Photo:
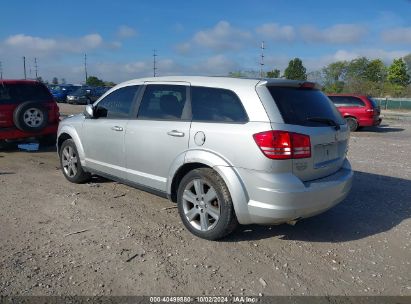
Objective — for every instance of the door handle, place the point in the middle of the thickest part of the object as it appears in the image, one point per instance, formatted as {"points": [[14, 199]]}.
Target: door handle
{"points": [[117, 128], [176, 133]]}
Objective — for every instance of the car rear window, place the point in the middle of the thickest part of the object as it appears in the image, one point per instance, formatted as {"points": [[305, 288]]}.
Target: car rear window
{"points": [[373, 102], [298, 106], [12, 93]]}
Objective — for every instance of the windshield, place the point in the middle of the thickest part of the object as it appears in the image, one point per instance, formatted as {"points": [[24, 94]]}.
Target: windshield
{"points": [[305, 106], [80, 91]]}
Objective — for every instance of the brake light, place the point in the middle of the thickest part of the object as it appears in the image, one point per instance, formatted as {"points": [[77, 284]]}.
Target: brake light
{"points": [[307, 85], [283, 144]]}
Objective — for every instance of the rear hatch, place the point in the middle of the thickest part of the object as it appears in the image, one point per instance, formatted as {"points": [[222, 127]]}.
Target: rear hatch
{"points": [[14, 93], [376, 107], [306, 110]]}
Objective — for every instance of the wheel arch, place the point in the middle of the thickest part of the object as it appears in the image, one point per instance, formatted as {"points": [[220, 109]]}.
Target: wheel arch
{"points": [[68, 132], [204, 159]]}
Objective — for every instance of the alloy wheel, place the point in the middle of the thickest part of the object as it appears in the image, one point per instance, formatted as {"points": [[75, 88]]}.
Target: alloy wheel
{"points": [[201, 205], [69, 161]]}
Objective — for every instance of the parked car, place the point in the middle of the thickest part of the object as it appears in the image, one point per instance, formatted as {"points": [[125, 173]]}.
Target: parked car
{"points": [[60, 92], [226, 150], [27, 110], [84, 95], [358, 110]]}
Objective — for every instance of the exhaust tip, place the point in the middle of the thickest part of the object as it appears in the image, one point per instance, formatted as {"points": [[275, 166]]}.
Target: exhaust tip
{"points": [[294, 221]]}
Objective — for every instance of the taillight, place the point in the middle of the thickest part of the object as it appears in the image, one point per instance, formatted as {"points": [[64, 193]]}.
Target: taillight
{"points": [[283, 144]]}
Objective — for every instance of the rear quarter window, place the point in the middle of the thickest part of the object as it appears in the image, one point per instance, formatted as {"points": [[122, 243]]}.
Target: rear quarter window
{"points": [[298, 105], [347, 101], [216, 105]]}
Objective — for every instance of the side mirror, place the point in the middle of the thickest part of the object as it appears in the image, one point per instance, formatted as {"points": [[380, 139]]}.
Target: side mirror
{"points": [[89, 111]]}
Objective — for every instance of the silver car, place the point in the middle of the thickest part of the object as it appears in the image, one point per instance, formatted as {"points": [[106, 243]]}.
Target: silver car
{"points": [[226, 150]]}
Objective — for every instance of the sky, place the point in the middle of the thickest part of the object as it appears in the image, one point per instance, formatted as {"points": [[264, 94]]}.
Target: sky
{"points": [[194, 37]]}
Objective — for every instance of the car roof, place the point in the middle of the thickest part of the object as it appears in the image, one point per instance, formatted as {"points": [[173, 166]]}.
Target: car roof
{"points": [[18, 81], [218, 81], [346, 95]]}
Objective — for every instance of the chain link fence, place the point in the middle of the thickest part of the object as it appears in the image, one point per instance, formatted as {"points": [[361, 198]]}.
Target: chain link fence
{"points": [[390, 103]]}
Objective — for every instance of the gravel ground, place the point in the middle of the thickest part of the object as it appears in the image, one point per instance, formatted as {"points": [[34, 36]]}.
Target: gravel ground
{"points": [[105, 238]]}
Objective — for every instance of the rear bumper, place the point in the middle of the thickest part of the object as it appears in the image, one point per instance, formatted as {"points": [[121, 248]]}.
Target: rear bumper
{"points": [[369, 122], [14, 133], [279, 198]]}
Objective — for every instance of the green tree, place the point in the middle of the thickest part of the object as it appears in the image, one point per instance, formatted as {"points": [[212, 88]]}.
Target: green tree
{"points": [[407, 60], [237, 74], [356, 69], [55, 80], [375, 71], [109, 84], [94, 81], [273, 74], [334, 76], [40, 79], [63, 80], [397, 73], [295, 70]]}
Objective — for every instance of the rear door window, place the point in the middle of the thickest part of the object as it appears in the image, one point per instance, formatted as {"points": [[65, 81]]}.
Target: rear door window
{"points": [[163, 102], [299, 106], [216, 105]]}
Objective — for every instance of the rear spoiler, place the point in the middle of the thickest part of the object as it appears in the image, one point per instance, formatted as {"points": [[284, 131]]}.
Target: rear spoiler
{"points": [[289, 83]]}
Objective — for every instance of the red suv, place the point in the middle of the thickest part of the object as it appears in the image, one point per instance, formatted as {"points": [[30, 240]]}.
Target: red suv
{"points": [[27, 110], [358, 110]]}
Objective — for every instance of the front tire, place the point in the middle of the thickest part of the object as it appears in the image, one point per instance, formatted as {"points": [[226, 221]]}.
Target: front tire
{"points": [[70, 163], [205, 205]]}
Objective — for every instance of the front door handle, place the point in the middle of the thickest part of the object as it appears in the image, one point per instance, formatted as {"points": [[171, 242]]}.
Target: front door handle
{"points": [[176, 133], [117, 128]]}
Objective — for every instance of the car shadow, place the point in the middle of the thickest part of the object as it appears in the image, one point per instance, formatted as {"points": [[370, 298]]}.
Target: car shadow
{"points": [[380, 129], [376, 204]]}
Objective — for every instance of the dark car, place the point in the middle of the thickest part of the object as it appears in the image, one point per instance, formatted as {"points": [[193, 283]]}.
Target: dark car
{"points": [[358, 110], [60, 92], [27, 110], [84, 95]]}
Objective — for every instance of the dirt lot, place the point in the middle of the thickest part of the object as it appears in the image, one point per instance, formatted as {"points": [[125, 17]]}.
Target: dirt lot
{"points": [[129, 244]]}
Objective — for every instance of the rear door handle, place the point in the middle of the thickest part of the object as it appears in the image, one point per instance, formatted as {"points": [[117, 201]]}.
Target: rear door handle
{"points": [[117, 128], [176, 133]]}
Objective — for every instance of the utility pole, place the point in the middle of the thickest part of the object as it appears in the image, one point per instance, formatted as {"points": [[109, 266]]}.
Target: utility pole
{"points": [[262, 60], [1, 71], [35, 66], [85, 66], [154, 63], [24, 67]]}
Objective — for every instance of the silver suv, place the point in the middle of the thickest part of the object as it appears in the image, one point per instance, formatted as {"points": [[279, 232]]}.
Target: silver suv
{"points": [[226, 150]]}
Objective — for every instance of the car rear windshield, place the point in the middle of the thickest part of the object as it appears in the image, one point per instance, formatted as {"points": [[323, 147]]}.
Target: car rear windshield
{"points": [[373, 102], [305, 106], [12, 93]]}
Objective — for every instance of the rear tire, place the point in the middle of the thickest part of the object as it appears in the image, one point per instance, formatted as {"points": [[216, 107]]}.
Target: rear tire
{"points": [[70, 163], [205, 205], [30, 116], [352, 123]]}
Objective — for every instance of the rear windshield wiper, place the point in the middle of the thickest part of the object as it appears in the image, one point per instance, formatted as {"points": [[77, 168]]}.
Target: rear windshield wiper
{"points": [[327, 121]]}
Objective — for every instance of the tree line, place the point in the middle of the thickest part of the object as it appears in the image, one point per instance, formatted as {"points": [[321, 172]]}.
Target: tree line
{"points": [[360, 75]]}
